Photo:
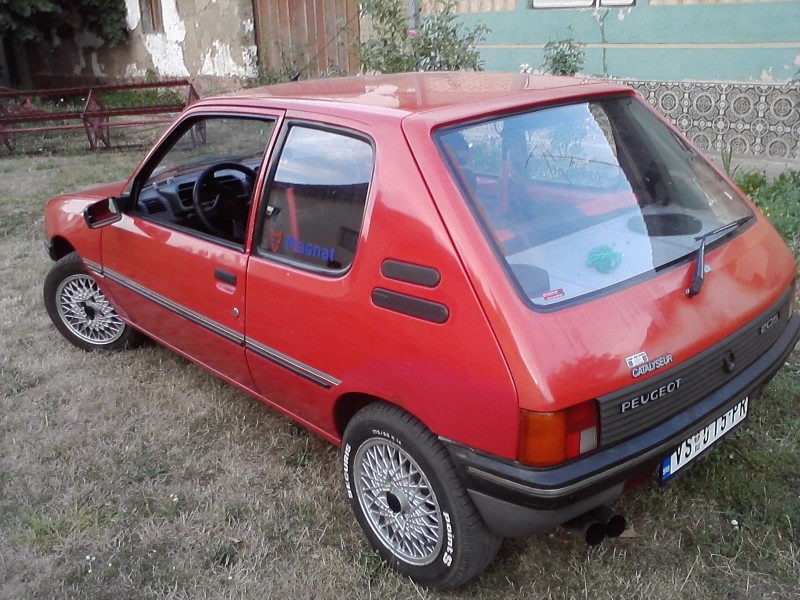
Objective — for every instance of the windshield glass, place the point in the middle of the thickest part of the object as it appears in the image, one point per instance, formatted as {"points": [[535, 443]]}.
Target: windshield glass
{"points": [[582, 197]]}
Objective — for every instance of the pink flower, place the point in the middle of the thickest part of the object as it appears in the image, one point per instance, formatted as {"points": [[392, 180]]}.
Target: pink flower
{"points": [[412, 33]]}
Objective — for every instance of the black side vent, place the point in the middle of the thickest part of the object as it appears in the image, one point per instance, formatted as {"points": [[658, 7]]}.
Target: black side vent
{"points": [[410, 273], [185, 193], [153, 206], [420, 308]]}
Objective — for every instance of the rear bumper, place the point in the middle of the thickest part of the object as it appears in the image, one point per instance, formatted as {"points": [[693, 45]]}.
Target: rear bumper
{"points": [[516, 500]]}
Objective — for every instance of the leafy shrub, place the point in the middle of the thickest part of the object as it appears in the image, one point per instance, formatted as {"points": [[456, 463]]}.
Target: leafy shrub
{"points": [[438, 43], [779, 200], [291, 65], [751, 182], [563, 57], [37, 20]]}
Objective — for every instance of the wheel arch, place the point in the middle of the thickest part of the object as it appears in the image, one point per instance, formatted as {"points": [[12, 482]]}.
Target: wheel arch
{"points": [[349, 404], [59, 247]]}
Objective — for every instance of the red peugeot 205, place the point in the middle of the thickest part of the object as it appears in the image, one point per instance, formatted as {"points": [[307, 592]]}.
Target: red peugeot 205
{"points": [[507, 297]]}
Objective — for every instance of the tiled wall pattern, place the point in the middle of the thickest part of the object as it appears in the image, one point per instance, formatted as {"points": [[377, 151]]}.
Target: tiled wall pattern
{"points": [[754, 119]]}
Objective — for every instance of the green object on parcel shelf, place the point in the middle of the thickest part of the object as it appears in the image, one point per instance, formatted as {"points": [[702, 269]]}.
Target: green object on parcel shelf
{"points": [[604, 258]]}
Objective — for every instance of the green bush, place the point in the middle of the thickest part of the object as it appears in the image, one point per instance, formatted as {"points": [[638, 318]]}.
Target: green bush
{"points": [[37, 20], [779, 200], [751, 182], [563, 57], [437, 43]]}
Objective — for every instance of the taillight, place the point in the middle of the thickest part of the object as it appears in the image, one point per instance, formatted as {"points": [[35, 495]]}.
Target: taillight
{"points": [[550, 438]]}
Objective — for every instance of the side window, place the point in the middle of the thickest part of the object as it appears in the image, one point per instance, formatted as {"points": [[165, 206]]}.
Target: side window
{"points": [[316, 200], [204, 181]]}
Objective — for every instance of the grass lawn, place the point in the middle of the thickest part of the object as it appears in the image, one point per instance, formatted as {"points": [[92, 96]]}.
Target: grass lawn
{"points": [[138, 475]]}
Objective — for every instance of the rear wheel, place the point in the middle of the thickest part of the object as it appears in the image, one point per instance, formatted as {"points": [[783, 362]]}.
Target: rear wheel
{"points": [[409, 501], [81, 312]]}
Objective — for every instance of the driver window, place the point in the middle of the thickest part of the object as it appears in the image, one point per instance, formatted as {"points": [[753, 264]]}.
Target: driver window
{"points": [[204, 182]]}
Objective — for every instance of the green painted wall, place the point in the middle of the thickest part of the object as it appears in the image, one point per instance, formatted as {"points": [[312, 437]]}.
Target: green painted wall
{"points": [[705, 42]]}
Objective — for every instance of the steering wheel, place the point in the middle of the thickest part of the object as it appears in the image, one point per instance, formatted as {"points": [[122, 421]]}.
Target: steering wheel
{"points": [[210, 195]]}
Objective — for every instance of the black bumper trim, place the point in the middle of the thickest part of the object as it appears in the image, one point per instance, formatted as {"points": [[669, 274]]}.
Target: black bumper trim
{"points": [[557, 487], [512, 521]]}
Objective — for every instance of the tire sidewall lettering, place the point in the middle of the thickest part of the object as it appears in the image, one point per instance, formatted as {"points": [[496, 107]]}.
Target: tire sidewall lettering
{"points": [[447, 556], [346, 467], [388, 436]]}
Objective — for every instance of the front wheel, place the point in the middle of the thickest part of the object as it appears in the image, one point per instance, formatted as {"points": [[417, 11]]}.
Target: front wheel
{"points": [[409, 501], [81, 312]]}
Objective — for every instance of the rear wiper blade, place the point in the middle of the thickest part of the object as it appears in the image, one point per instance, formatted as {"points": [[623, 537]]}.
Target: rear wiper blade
{"points": [[700, 266]]}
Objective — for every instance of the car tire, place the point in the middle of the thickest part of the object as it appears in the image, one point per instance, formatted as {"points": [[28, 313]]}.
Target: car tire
{"points": [[81, 312], [407, 497]]}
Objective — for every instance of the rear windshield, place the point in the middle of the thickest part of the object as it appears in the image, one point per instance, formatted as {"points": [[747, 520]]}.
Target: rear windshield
{"points": [[582, 197]]}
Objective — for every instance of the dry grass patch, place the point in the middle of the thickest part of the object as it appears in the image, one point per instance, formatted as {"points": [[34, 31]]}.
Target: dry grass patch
{"points": [[138, 475]]}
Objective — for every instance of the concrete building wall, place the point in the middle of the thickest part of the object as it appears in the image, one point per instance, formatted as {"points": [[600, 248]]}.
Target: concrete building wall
{"points": [[167, 39], [198, 37]]}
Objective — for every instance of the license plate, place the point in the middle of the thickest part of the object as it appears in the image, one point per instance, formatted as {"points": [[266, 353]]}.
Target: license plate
{"points": [[695, 445]]}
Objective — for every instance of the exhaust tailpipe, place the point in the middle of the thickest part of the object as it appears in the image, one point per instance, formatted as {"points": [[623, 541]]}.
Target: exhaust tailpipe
{"points": [[596, 525], [588, 527], [613, 521]]}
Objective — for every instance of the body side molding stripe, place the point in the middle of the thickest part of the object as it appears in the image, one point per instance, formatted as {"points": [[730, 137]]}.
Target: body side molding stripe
{"points": [[94, 267], [297, 367], [182, 311], [310, 373]]}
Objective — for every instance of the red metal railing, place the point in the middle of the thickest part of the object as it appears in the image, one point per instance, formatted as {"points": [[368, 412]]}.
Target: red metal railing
{"points": [[20, 112]]}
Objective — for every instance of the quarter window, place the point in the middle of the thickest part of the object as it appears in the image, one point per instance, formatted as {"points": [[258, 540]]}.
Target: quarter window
{"points": [[316, 200]]}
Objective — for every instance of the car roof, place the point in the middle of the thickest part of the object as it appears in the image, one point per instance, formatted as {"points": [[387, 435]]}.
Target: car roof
{"points": [[434, 93]]}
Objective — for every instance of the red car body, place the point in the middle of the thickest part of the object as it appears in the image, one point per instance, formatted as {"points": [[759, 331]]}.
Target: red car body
{"points": [[426, 318]]}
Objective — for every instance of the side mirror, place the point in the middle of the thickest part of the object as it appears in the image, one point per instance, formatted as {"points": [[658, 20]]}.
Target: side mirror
{"points": [[102, 213]]}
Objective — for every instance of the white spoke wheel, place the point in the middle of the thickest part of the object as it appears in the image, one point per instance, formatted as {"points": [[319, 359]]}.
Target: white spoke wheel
{"points": [[80, 310], [409, 501], [87, 313], [398, 501]]}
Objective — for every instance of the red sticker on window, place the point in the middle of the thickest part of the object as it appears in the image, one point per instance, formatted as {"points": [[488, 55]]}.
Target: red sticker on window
{"points": [[553, 294], [277, 238]]}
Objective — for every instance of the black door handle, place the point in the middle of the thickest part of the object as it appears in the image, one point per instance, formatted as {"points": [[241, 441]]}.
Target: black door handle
{"points": [[225, 276]]}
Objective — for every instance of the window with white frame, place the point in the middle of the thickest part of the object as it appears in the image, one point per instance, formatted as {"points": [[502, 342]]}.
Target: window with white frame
{"points": [[579, 3]]}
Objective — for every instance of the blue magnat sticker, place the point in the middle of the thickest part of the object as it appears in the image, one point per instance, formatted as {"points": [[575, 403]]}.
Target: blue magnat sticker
{"points": [[308, 249]]}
